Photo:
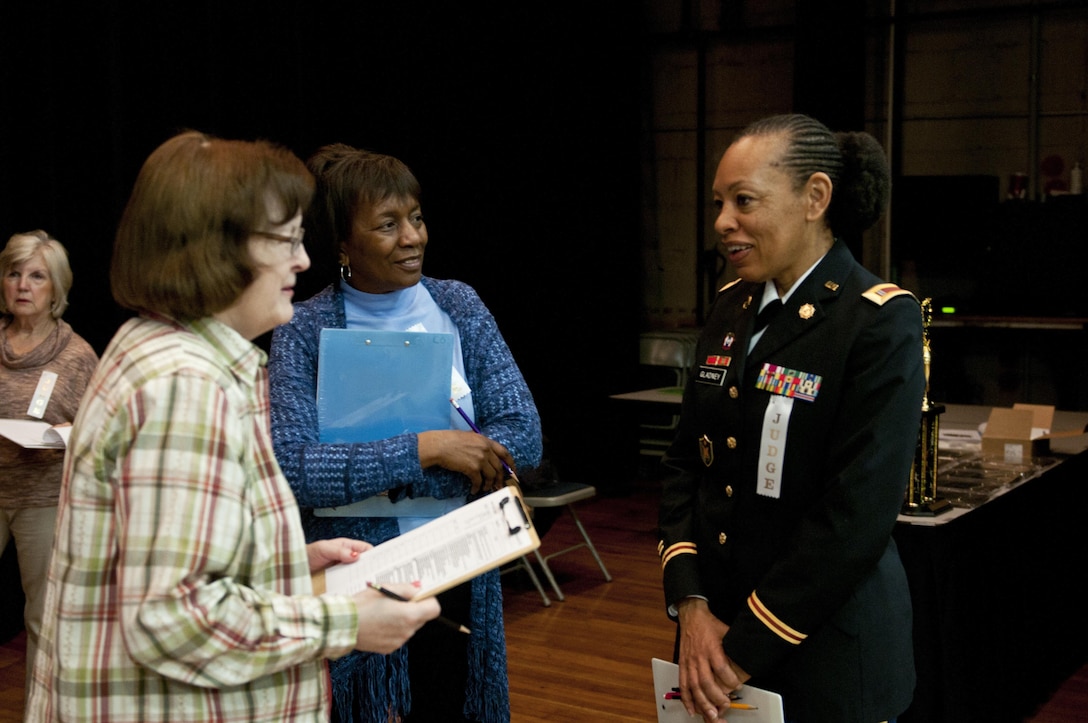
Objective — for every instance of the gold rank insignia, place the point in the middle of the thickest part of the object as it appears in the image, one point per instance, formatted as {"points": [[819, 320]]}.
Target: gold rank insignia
{"points": [[706, 450], [806, 311]]}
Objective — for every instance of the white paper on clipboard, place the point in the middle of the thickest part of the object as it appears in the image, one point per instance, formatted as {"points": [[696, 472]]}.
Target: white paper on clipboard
{"points": [[446, 551], [667, 677]]}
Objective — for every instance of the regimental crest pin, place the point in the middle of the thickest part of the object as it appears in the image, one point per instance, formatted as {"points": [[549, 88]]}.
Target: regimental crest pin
{"points": [[727, 342], [806, 311], [706, 450]]}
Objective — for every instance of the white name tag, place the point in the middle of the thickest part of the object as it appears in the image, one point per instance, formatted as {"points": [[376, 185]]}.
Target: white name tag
{"points": [[40, 400], [772, 445], [459, 388]]}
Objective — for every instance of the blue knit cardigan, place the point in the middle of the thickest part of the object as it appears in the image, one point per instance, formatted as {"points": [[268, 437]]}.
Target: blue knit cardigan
{"points": [[329, 475]]}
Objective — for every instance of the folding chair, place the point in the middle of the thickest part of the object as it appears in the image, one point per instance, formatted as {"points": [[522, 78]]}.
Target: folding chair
{"points": [[560, 494], [664, 360]]}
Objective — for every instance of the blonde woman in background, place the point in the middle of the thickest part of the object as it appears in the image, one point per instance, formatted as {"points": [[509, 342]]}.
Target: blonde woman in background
{"points": [[37, 344]]}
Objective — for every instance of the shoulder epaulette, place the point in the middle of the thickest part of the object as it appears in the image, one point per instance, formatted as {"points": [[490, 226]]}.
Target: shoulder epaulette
{"points": [[731, 283], [882, 293]]}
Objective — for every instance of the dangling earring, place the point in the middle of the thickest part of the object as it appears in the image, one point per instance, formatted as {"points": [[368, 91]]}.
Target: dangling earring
{"points": [[345, 272]]}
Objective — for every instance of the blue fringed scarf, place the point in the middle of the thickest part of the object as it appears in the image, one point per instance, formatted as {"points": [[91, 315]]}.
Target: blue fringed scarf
{"points": [[366, 687]]}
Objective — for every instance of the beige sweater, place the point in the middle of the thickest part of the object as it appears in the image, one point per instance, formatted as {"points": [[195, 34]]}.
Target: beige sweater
{"points": [[31, 477]]}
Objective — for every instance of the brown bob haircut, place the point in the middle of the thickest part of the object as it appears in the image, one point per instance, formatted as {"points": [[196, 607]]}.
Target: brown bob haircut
{"points": [[182, 246]]}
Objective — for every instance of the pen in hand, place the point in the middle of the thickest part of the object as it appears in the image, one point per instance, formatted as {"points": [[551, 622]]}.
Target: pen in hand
{"points": [[474, 428], [441, 618]]}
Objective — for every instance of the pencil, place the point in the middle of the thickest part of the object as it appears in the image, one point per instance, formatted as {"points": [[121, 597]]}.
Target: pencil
{"points": [[441, 618], [474, 428], [736, 706]]}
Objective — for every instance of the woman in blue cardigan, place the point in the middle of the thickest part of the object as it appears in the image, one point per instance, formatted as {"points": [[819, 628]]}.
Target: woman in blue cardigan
{"points": [[366, 210]]}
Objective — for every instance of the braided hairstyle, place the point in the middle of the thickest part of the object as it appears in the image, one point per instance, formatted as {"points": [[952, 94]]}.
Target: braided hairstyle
{"points": [[854, 161]]}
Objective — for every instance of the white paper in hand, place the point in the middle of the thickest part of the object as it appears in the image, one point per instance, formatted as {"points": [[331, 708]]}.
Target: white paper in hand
{"points": [[35, 435], [667, 677]]}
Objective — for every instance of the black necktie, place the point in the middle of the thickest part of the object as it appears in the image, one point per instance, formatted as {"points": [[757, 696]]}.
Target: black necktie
{"points": [[767, 314]]}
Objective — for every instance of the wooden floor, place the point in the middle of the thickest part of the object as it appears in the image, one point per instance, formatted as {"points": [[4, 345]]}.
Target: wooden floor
{"points": [[586, 658]]}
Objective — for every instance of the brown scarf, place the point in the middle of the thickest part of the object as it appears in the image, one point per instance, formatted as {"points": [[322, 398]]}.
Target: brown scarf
{"points": [[42, 354]]}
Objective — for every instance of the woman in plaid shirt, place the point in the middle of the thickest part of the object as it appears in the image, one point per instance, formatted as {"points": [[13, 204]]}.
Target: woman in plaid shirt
{"points": [[180, 585]]}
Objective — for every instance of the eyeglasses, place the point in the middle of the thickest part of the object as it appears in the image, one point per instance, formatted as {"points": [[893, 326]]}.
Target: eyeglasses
{"points": [[295, 241]]}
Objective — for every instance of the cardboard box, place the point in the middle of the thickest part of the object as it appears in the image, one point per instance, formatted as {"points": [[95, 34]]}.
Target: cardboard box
{"points": [[1018, 434]]}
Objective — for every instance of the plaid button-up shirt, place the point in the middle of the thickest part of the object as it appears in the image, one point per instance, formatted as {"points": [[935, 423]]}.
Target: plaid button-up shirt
{"points": [[179, 587]]}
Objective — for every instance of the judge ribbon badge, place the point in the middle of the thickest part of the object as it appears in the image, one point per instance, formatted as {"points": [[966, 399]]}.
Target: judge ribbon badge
{"points": [[785, 385]]}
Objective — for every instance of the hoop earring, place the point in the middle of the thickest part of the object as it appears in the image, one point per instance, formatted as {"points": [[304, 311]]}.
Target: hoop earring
{"points": [[345, 272]]}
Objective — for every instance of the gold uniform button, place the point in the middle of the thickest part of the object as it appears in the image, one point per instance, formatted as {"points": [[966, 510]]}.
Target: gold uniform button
{"points": [[731, 442], [721, 538], [729, 490], [733, 392]]}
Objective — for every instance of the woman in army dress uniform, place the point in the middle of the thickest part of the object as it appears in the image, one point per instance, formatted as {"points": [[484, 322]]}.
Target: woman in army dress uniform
{"points": [[795, 443]]}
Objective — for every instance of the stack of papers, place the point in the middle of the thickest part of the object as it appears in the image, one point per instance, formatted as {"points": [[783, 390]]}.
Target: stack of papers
{"points": [[959, 439]]}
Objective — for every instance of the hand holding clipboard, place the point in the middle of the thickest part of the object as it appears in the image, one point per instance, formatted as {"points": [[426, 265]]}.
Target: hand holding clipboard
{"points": [[448, 550]]}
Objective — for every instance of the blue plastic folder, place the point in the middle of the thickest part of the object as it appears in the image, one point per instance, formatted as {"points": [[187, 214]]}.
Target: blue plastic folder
{"points": [[377, 384]]}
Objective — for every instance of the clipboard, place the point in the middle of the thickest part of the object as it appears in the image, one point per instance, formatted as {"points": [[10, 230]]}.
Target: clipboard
{"points": [[444, 552], [377, 384], [667, 677]]}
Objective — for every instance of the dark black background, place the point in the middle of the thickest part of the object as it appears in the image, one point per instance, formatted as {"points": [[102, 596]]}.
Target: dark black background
{"points": [[520, 119]]}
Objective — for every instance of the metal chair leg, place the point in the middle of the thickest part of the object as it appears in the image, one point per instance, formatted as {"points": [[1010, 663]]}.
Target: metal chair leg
{"points": [[589, 544], [528, 567]]}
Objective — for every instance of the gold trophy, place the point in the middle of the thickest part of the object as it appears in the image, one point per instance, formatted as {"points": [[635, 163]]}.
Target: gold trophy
{"points": [[922, 490]]}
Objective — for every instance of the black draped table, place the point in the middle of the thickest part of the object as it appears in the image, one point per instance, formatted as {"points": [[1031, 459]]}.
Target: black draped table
{"points": [[996, 581]]}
